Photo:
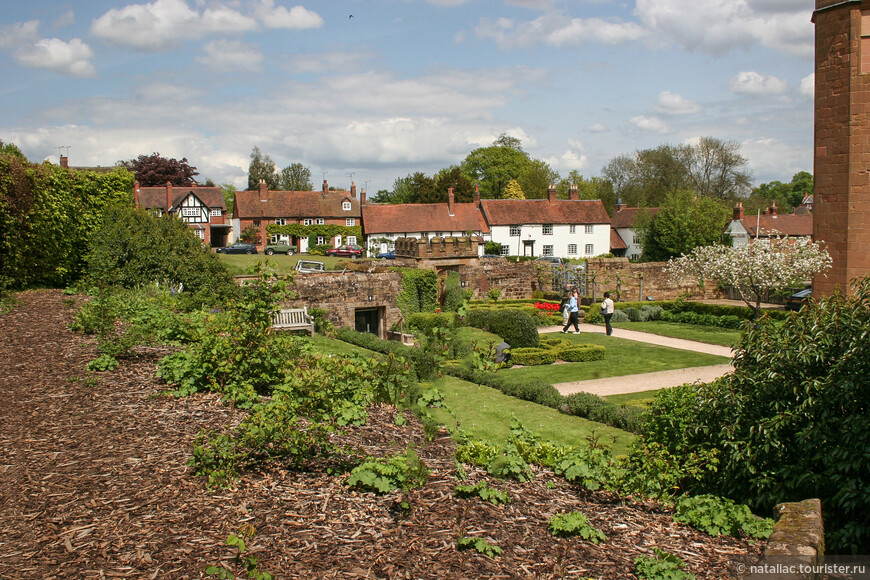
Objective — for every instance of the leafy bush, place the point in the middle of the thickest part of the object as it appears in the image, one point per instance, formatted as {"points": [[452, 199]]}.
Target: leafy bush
{"points": [[720, 516], [483, 491], [575, 524], [619, 316], [514, 326], [401, 471], [424, 322], [661, 566], [419, 291], [580, 353], [532, 356], [582, 404], [478, 544]]}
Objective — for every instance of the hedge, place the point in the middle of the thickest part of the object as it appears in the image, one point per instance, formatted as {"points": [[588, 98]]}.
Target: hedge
{"points": [[422, 362], [516, 327], [532, 356], [580, 353]]}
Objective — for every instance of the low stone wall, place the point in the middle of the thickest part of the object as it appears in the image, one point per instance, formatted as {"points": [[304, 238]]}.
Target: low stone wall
{"points": [[798, 540], [630, 281]]}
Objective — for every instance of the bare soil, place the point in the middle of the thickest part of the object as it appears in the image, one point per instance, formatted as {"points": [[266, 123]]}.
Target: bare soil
{"points": [[94, 484]]}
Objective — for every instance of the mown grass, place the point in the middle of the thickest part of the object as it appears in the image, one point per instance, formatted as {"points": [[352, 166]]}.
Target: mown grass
{"points": [[705, 334], [623, 357], [241, 264], [485, 413], [641, 399]]}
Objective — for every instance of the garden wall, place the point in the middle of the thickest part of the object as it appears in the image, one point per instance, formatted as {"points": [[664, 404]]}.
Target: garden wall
{"points": [[629, 281]]}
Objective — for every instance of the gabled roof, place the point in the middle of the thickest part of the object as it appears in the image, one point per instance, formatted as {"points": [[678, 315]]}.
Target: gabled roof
{"points": [[784, 224], [421, 217], [155, 197], [295, 205], [625, 217], [616, 242], [503, 212]]}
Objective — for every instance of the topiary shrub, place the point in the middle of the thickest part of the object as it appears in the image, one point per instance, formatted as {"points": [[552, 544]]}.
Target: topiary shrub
{"points": [[532, 356], [580, 353], [582, 404], [619, 316], [535, 391], [515, 327], [593, 314], [632, 313]]}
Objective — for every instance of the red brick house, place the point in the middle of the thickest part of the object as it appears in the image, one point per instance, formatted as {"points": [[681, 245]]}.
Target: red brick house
{"points": [[625, 238], [771, 223], [202, 208], [260, 208]]}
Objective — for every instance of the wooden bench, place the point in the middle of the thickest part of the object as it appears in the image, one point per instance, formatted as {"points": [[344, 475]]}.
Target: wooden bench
{"points": [[293, 319]]}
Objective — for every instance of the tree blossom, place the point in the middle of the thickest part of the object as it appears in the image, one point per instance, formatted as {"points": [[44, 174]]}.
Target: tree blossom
{"points": [[755, 269]]}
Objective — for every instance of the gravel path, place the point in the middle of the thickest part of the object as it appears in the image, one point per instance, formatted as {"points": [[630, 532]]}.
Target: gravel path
{"points": [[646, 381]]}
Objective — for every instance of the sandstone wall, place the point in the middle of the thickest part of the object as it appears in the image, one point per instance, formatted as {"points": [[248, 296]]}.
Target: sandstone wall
{"points": [[629, 281]]}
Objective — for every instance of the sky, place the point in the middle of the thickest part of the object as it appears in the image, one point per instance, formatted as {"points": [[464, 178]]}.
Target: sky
{"points": [[373, 90]]}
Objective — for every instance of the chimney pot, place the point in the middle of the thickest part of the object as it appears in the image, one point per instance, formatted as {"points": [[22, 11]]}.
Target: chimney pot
{"points": [[353, 189], [168, 196], [362, 196], [551, 194], [64, 161], [451, 199], [263, 190], [325, 187], [738, 211], [573, 193]]}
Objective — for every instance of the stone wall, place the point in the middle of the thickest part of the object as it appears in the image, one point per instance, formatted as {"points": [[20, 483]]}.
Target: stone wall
{"points": [[798, 539], [629, 281]]}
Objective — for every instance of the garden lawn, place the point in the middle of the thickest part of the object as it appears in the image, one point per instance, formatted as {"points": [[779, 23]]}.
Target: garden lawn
{"points": [[241, 264], [332, 346], [641, 399], [485, 413], [623, 357], [705, 334]]}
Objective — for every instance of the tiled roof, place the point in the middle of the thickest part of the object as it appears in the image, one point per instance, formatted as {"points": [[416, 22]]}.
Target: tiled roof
{"points": [[295, 205], [785, 224], [502, 212], [421, 217], [155, 197], [616, 242], [626, 217]]}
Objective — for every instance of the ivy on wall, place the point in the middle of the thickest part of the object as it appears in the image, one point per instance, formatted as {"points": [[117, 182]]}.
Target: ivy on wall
{"points": [[419, 292], [326, 230]]}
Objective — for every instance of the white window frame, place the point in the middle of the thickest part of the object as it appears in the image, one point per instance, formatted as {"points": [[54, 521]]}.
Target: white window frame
{"points": [[572, 249], [319, 221], [321, 240], [346, 206], [307, 222], [547, 250], [351, 241], [216, 213], [590, 229], [514, 231], [350, 222], [547, 229], [590, 249], [505, 250], [199, 233], [281, 221], [572, 229], [191, 212]]}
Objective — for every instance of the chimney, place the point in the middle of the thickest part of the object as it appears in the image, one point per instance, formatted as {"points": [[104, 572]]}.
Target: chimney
{"points": [[325, 187], [573, 193], [773, 209], [451, 199], [362, 197], [619, 206], [136, 193], [168, 196], [738, 211], [353, 189], [476, 195], [64, 161], [263, 190], [551, 194]]}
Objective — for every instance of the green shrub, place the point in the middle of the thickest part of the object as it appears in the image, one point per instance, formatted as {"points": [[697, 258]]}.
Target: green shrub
{"points": [[619, 316], [532, 356], [401, 471], [720, 516], [514, 326], [581, 353], [582, 404], [424, 322], [593, 314], [575, 524], [661, 566]]}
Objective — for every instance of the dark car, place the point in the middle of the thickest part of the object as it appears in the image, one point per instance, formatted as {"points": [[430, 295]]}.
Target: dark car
{"points": [[346, 251], [279, 248], [387, 256], [798, 299], [238, 248]]}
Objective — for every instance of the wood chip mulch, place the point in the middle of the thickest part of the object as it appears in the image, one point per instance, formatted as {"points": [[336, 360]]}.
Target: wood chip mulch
{"points": [[94, 484]]}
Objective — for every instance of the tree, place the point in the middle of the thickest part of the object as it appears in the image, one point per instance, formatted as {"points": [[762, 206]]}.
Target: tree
{"points": [[786, 195], [753, 270], [423, 189], [683, 222], [155, 171], [262, 167], [11, 149], [229, 193], [718, 169], [513, 190], [295, 177], [401, 193], [592, 188], [491, 168], [536, 178], [452, 177]]}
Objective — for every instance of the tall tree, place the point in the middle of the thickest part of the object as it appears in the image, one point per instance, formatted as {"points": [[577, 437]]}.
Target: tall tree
{"points": [[684, 222], [452, 177], [154, 170], [401, 192], [592, 188], [423, 189], [262, 167], [513, 190], [295, 177], [718, 169], [786, 195], [491, 168], [11, 149], [229, 193], [536, 178]]}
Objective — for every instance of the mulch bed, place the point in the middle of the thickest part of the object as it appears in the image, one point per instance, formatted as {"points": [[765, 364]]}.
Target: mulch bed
{"points": [[94, 484]]}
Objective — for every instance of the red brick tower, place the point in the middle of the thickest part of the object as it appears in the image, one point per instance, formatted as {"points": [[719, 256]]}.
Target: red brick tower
{"points": [[841, 215]]}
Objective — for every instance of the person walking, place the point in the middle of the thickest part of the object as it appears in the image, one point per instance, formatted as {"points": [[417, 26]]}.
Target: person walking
{"points": [[607, 308], [573, 313], [564, 305]]}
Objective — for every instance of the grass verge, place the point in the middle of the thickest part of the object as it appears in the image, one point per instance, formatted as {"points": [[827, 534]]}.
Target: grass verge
{"points": [[705, 334], [641, 399]]}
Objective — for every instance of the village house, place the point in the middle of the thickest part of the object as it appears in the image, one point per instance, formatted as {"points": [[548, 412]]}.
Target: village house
{"points": [[770, 223], [255, 210], [202, 208], [567, 228], [628, 239], [384, 224]]}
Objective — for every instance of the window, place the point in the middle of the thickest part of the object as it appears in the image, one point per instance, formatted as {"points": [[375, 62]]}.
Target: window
{"points": [[199, 234], [320, 221], [307, 222], [588, 228], [351, 240], [572, 229], [504, 250], [321, 240], [439, 234], [345, 206], [216, 212], [590, 249], [190, 211], [548, 250], [256, 223], [350, 222], [273, 239], [281, 221], [424, 235], [547, 229], [515, 230], [634, 240], [572, 249]]}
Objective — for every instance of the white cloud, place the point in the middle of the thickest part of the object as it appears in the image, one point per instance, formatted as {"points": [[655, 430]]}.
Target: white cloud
{"points": [[597, 128], [557, 30], [569, 160], [279, 17], [151, 27], [328, 62], [231, 55], [773, 157], [68, 58], [753, 83], [670, 103], [17, 34], [651, 124], [223, 19], [808, 86], [66, 19]]}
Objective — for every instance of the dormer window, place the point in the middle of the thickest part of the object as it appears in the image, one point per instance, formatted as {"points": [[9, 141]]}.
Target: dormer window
{"points": [[345, 205]]}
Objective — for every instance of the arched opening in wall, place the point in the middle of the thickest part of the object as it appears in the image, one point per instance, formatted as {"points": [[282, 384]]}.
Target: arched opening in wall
{"points": [[368, 320]]}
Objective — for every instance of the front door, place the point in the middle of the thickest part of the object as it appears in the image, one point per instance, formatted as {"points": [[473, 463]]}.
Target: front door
{"points": [[529, 248], [367, 320]]}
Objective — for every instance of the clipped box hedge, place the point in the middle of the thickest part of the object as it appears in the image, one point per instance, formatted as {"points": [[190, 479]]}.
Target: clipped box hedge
{"points": [[580, 353], [532, 356]]}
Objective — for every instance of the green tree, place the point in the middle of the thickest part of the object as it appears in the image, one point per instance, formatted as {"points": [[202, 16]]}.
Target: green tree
{"points": [[513, 190], [786, 195], [155, 171], [295, 177], [11, 149], [402, 192], [452, 176], [229, 193], [262, 167], [536, 178], [491, 168], [423, 189], [684, 222], [592, 188]]}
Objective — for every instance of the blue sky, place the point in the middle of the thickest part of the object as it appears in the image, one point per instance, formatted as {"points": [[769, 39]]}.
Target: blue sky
{"points": [[404, 85]]}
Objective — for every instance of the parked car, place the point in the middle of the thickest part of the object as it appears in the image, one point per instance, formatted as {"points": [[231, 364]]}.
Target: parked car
{"points": [[387, 256], [798, 299], [279, 249], [556, 262], [346, 251], [238, 248], [309, 267]]}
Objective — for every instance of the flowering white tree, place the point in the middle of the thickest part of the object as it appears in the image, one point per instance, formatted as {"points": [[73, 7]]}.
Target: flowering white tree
{"points": [[755, 269]]}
